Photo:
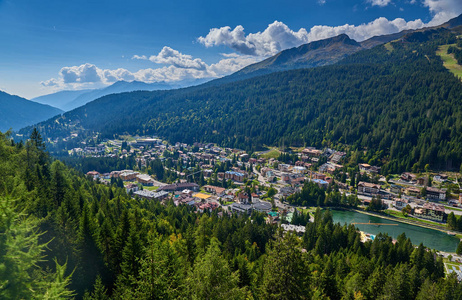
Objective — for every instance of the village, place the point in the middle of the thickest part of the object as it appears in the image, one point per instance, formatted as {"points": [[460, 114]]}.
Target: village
{"points": [[260, 182]]}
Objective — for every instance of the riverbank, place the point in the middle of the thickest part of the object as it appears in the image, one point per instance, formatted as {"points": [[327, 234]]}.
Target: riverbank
{"points": [[409, 222], [375, 224]]}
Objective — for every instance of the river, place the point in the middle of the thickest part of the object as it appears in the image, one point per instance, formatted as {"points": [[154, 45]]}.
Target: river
{"points": [[433, 239]]}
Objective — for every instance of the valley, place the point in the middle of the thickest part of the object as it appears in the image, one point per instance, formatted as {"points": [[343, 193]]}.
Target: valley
{"points": [[285, 164]]}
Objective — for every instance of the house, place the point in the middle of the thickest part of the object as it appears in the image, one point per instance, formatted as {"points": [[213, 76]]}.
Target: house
{"points": [[312, 152], [297, 181], [219, 191], [394, 188], [299, 170], [440, 178], [131, 188], [243, 198], [93, 174], [369, 169], [400, 203], [235, 176], [322, 183], [430, 211], [285, 177], [318, 176], [413, 191], [255, 197], [368, 188], [408, 177], [115, 174], [435, 194], [422, 181], [284, 167], [364, 167], [145, 180], [128, 175]]}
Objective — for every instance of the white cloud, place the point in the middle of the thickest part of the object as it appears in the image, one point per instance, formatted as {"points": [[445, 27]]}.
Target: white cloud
{"points": [[443, 10], [278, 36], [381, 3], [321, 2], [173, 57], [231, 64], [180, 67], [139, 57], [362, 32]]}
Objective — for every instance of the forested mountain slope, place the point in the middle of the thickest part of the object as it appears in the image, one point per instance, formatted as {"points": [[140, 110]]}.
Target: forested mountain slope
{"points": [[116, 247], [398, 101]]}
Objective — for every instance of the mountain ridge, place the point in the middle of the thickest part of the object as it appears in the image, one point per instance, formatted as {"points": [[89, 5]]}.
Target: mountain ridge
{"points": [[17, 112]]}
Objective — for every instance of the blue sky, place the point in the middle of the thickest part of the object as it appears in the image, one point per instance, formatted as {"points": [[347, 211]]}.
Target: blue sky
{"points": [[53, 45]]}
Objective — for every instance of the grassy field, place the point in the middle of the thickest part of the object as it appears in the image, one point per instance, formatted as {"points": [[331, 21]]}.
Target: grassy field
{"points": [[271, 154], [449, 61], [400, 215]]}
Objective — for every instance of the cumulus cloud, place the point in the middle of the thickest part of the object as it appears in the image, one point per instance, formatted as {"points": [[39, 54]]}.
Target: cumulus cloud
{"points": [[379, 26], [278, 36], [178, 67], [443, 10], [274, 38], [381, 3], [80, 74], [173, 57]]}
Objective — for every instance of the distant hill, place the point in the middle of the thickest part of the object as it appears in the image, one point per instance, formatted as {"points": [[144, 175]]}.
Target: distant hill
{"points": [[59, 99], [69, 100], [118, 87], [17, 112]]}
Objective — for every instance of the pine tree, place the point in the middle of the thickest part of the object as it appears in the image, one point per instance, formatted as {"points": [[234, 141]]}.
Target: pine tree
{"points": [[212, 278], [285, 275], [20, 253]]}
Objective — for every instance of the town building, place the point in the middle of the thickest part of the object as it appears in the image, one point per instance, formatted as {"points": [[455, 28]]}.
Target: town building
{"points": [[145, 180], [151, 195], [413, 191], [241, 208], [262, 206], [368, 188], [219, 191], [430, 211], [435, 194], [131, 188], [179, 187]]}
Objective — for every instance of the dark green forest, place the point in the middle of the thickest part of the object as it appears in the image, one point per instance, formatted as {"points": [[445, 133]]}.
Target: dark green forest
{"points": [[398, 102], [63, 235]]}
